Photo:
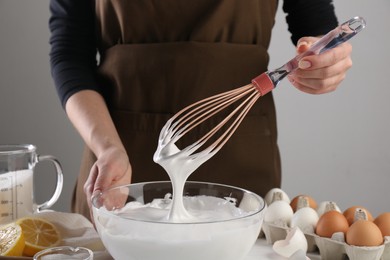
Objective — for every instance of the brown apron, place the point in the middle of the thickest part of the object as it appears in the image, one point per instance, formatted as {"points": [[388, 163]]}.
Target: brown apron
{"points": [[160, 56]]}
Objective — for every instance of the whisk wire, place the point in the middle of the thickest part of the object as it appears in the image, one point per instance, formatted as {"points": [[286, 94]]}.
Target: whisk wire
{"points": [[202, 110], [236, 115], [249, 102]]}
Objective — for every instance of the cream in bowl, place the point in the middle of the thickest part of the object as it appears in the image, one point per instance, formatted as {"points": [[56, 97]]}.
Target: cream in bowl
{"points": [[133, 221]]}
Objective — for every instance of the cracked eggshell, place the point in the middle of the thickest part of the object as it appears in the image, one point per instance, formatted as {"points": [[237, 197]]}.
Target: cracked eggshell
{"points": [[295, 241], [270, 196]]}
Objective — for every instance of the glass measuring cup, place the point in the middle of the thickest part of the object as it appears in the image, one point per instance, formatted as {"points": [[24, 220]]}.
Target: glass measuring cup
{"points": [[17, 163]]}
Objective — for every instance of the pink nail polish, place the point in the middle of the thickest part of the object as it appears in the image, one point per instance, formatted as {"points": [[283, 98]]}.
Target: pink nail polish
{"points": [[303, 64], [302, 43]]}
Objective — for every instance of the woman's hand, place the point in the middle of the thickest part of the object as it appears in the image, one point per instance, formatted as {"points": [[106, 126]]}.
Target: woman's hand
{"points": [[111, 169], [318, 74], [89, 114]]}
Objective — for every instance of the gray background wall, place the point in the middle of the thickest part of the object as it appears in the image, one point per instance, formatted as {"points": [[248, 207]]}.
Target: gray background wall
{"points": [[333, 147]]}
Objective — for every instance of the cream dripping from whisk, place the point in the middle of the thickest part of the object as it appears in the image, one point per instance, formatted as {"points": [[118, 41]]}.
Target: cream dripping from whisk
{"points": [[179, 167]]}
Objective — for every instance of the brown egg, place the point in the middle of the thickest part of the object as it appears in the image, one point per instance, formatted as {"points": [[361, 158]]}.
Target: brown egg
{"points": [[350, 214], [364, 233], [331, 222], [383, 223], [295, 200]]}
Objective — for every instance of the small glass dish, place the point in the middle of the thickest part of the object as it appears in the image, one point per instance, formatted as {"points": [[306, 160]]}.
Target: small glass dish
{"points": [[64, 252]]}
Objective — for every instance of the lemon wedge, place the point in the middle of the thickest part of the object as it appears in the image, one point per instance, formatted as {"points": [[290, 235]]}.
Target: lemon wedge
{"points": [[38, 234], [11, 240]]}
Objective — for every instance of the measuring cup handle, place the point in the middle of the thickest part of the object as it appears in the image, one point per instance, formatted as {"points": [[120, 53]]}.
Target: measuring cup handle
{"points": [[60, 181]]}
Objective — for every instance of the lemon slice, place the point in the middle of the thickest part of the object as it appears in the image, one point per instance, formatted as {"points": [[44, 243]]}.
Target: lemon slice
{"points": [[39, 234], [11, 240]]}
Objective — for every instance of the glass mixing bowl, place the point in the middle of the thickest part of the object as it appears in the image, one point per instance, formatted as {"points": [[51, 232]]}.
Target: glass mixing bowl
{"points": [[132, 238]]}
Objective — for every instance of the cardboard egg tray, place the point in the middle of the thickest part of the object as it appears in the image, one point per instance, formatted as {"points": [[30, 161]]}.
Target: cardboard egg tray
{"points": [[330, 248]]}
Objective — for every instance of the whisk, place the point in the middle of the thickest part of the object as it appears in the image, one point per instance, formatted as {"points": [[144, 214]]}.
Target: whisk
{"points": [[192, 116]]}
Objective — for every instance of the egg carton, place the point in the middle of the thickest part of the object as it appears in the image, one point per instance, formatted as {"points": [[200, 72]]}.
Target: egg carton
{"points": [[330, 248]]}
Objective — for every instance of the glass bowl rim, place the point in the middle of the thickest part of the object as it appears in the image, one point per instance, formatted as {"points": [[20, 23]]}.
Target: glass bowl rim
{"points": [[109, 214]]}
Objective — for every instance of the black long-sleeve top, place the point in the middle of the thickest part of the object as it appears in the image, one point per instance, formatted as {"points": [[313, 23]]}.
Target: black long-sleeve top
{"points": [[73, 40]]}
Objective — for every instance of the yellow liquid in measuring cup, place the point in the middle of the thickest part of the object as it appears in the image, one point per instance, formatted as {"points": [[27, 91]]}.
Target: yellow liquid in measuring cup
{"points": [[16, 189]]}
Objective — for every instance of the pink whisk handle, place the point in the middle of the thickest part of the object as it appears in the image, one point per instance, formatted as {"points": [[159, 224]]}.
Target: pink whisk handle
{"points": [[263, 84]]}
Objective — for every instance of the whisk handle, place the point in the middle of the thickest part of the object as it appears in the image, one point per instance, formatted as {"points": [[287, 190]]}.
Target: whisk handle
{"points": [[267, 81], [340, 34]]}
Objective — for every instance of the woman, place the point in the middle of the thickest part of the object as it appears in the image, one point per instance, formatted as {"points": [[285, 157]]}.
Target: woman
{"points": [[157, 57]]}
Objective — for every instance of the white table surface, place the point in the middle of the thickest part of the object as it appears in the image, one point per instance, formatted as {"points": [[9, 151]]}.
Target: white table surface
{"points": [[262, 251]]}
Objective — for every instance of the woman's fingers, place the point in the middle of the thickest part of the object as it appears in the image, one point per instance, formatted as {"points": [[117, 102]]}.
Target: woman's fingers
{"points": [[322, 73]]}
